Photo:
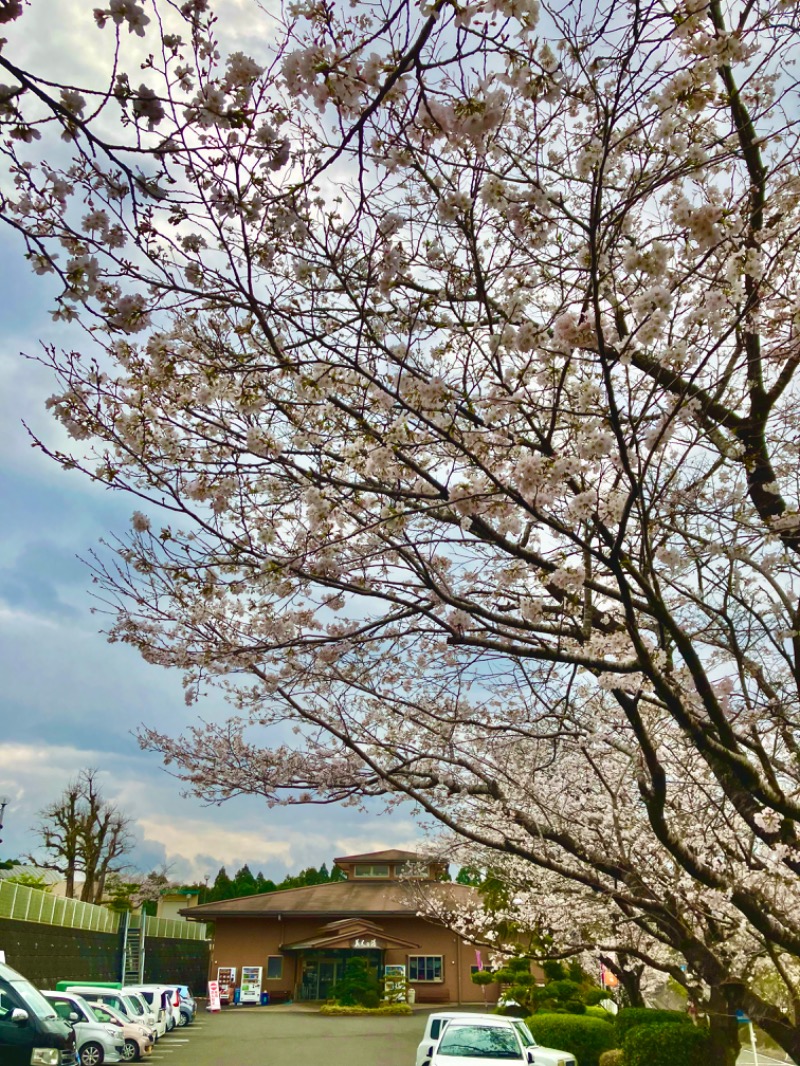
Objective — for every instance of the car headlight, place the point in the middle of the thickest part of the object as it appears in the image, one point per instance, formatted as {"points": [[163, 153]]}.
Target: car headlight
{"points": [[45, 1056], [113, 1030]]}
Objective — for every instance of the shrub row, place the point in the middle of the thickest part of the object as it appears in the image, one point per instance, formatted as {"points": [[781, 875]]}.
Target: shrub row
{"points": [[666, 1045], [387, 1008], [647, 1037], [583, 1036]]}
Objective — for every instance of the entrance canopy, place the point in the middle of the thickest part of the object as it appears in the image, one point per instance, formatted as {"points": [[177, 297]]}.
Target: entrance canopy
{"points": [[351, 933]]}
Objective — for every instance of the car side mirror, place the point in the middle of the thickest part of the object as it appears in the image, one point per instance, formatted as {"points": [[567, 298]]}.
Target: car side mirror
{"points": [[531, 1057], [74, 1017], [430, 1051], [19, 1016]]}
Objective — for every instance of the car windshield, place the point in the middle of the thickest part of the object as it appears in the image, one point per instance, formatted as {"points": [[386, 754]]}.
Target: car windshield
{"points": [[525, 1035], [479, 1042], [33, 1000], [104, 1013], [133, 1004]]}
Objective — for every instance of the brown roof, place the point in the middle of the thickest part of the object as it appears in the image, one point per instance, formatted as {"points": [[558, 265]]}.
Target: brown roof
{"points": [[391, 855], [360, 898], [342, 933]]}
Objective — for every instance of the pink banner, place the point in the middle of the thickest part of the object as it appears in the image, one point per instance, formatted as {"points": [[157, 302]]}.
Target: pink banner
{"points": [[213, 995]]}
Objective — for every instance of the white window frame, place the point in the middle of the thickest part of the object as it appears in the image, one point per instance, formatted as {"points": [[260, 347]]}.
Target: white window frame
{"points": [[427, 980]]}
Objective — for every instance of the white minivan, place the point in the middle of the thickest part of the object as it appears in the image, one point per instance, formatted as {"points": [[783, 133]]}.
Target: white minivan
{"points": [[161, 997]]}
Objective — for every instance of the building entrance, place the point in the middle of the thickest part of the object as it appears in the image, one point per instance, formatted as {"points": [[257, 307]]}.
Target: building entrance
{"points": [[319, 971]]}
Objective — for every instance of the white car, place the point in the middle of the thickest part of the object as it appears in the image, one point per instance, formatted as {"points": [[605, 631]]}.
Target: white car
{"points": [[162, 997], [96, 1042], [119, 999], [483, 1032], [146, 1013]]}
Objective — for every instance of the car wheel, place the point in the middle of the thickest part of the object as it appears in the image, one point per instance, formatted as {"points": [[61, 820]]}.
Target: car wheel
{"points": [[130, 1052], [91, 1054], [183, 1020]]}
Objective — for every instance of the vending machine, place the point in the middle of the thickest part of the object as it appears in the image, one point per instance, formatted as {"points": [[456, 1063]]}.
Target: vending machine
{"points": [[251, 985], [226, 978]]}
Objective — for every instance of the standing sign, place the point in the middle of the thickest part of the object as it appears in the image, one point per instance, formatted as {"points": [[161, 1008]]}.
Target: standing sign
{"points": [[251, 985], [226, 978], [213, 995]]}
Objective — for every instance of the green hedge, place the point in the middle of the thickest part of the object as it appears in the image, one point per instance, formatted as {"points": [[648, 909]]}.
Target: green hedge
{"points": [[584, 1037], [615, 1057], [666, 1045], [387, 1008], [600, 1012], [632, 1017]]}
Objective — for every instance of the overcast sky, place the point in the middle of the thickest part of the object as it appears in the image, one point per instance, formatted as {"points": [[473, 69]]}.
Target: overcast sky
{"points": [[68, 699]]}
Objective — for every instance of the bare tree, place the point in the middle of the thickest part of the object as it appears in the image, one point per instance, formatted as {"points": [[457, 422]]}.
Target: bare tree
{"points": [[83, 834]]}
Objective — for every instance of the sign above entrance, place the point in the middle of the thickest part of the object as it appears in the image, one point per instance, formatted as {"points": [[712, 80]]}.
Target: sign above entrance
{"points": [[365, 942]]}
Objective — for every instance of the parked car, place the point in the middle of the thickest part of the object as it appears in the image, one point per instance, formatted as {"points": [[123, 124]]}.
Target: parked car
{"points": [[31, 1033], [97, 1042], [138, 1040], [188, 1005], [511, 1037], [145, 1015], [127, 1003], [159, 1000]]}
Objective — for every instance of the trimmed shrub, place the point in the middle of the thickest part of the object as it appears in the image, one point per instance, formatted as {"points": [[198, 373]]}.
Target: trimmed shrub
{"points": [[585, 1038], [666, 1045], [632, 1017], [615, 1057], [594, 994], [387, 1008], [600, 1012], [359, 986]]}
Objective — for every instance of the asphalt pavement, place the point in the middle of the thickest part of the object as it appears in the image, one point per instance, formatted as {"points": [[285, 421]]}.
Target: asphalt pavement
{"points": [[275, 1036], [297, 1036]]}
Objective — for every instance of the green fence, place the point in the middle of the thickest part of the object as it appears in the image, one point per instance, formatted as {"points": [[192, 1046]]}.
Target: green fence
{"points": [[174, 927], [33, 905]]}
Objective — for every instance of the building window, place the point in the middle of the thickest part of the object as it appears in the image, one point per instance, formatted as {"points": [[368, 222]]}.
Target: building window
{"points": [[415, 869], [275, 967], [425, 967], [363, 869]]}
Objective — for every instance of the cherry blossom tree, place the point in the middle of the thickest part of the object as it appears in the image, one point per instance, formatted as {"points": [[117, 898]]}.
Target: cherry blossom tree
{"points": [[450, 352]]}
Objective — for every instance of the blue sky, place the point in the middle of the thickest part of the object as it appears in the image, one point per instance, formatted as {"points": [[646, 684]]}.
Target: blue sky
{"points": [[69, 699]]}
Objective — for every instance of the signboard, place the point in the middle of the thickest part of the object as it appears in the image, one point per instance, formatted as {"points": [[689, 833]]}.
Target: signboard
{"points": [[395, 987], [226, 979], [364, 942], [213, 995], [251, 985]]}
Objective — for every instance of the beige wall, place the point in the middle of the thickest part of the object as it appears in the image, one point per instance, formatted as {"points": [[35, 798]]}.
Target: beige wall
{"points": [[249, 941]]}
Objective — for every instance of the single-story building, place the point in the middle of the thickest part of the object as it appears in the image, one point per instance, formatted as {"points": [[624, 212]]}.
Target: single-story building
{"points": [[301, 938]]}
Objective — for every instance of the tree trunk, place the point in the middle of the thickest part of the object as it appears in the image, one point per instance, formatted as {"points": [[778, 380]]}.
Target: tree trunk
{"points": [[723, 1029]]}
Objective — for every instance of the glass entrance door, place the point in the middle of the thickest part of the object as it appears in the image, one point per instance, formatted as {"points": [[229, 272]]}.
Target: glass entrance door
{"points": [[327, 977]]}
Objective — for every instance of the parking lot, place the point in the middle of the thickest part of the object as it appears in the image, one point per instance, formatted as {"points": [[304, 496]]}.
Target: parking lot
{"points": [[292, 1036], [280, 1037]]}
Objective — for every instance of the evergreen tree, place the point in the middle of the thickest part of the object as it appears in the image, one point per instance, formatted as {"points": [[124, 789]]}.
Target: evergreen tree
{"points": [[244, 883], [223, 887]]}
